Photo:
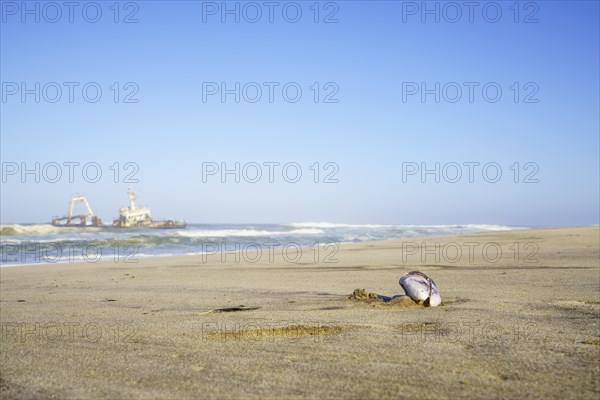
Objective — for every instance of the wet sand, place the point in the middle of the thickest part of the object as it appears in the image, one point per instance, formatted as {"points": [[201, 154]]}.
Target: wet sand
{"points": [[522, 322]]}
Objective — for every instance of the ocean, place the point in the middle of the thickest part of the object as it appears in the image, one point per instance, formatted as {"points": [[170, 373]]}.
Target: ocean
{"points": [[26, 244]]}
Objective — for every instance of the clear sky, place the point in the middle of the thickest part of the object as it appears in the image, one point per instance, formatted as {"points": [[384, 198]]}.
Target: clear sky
{"points": [[369, 119]]}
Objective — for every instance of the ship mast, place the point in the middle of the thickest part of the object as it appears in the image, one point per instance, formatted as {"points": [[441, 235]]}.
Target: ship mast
{"points": [[131, 194]]}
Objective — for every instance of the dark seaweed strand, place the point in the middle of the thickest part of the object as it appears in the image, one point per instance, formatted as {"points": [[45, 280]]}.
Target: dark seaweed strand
{"points": [[430, 281]]}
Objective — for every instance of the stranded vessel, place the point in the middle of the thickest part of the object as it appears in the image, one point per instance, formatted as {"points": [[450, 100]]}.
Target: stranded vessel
{"points": [[132, 216], [80, 221]]}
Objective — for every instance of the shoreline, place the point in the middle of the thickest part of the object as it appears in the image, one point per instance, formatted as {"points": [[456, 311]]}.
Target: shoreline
{"points": [[183, 327], [81, 261]]}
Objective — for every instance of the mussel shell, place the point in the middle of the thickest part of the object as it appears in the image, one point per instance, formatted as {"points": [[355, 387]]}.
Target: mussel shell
{"points": [[421, 288], [435, 299]]}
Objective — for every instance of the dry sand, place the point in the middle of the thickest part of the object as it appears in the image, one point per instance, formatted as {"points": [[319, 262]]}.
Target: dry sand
{"points": [[524, 326]]}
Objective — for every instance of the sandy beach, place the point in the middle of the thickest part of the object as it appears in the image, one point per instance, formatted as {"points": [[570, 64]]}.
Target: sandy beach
{"points": [[520, 319]]}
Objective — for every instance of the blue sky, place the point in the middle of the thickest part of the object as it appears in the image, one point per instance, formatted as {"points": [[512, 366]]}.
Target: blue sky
{"points": [[372, 52]]}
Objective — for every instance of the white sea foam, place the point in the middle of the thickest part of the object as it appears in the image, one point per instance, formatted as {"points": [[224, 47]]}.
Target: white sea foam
{"points": [[325, 225], [471, 227], [42, 229], [244, 233], [484, 227]]}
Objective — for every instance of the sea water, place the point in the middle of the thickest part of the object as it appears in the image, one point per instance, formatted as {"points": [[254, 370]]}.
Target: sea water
{"points": [[26, 244]]}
